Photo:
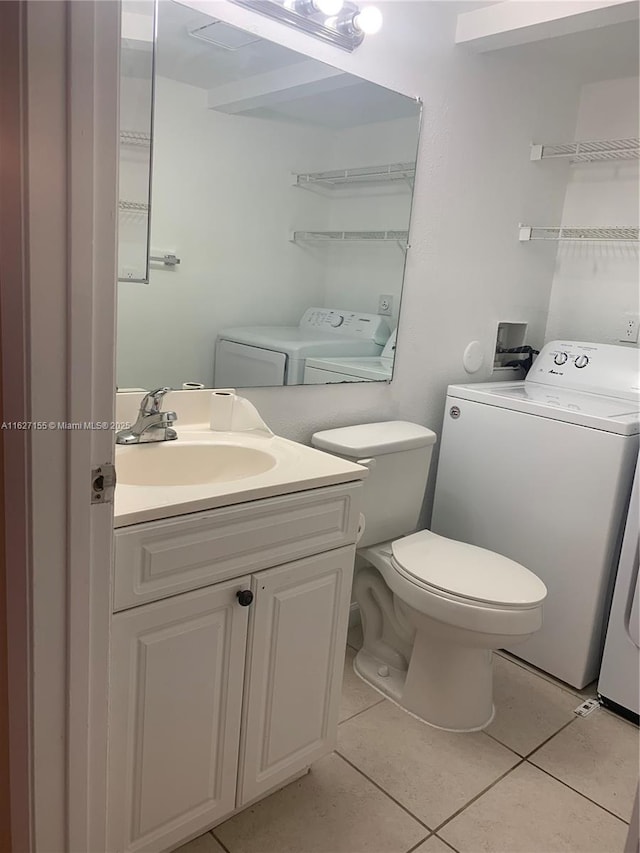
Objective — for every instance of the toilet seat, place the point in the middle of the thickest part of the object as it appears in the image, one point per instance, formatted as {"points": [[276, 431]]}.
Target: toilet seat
{"points": [[465, 572], [506, 619]]}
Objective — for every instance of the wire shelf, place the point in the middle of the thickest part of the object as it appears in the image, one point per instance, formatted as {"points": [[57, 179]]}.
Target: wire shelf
{"points": [[558, 232], [337, 237], [136, 138], [133, 206], [589, 151], [363, 175]]}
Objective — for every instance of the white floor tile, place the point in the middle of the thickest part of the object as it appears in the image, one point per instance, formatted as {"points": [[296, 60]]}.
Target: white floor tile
{"points": [[433, 845], [333, 809], [586, 692], [431, 772], [203, 844], [529, 709], [529, 812], [356, 695], [598, 756]]}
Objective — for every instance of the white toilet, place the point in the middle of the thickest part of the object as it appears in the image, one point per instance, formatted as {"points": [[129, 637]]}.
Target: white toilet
{"points": [[432, 608]]}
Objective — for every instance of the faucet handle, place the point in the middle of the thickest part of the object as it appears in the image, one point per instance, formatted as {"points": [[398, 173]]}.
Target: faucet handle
{"points": [[152, 402]]}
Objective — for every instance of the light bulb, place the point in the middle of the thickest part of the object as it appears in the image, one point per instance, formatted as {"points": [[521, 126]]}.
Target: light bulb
{"points": [[328, 7], [368, 21]]}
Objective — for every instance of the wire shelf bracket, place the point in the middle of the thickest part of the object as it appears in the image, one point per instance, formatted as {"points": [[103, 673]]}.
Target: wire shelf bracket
{"points": [[589, 151], [391, 172], [133, 206], [578, 234], [327, 238], [136, 138]]}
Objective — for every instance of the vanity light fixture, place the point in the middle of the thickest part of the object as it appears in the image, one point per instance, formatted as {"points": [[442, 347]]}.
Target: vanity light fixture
{"points": [[368, 21], [328, 8], [338, 22]]}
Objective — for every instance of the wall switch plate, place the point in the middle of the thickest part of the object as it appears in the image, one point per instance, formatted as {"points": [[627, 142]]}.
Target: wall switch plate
{"points": [[628, 328], [385, 305]]}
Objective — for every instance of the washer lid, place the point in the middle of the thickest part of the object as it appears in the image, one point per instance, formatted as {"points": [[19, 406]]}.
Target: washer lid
{"points": [[610, 414], [300, 343], [467, 571], [365, 367], [373, 439]]}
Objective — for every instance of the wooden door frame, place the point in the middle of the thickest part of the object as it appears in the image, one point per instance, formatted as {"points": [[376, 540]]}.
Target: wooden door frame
{"points": [[57, 308], [94, 75]]}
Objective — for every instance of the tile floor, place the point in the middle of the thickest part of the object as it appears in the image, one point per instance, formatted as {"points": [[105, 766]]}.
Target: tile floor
{"points": [[538, 780]]}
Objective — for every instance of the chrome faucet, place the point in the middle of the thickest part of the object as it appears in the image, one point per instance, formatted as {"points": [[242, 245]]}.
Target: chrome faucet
{"points": [[152, 424]]}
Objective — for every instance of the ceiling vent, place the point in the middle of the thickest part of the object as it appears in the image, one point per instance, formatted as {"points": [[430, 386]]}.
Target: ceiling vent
{"points": [[223, 35]]}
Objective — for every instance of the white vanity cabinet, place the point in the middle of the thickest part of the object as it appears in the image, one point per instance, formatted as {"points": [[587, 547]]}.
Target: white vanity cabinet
{"points": [[212, 703], [175, 703]]}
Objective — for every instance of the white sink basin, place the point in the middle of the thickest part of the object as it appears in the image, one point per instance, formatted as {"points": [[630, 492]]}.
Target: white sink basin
{"points": [[204, 470], [170, 463]]}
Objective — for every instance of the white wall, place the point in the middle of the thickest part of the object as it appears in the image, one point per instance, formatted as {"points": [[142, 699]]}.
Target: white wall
{"points": [[466, 269], [595, 285]]}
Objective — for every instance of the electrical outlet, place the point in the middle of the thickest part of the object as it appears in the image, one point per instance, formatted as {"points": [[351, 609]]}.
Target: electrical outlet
{"points": [[628, 328], [385, 304]]}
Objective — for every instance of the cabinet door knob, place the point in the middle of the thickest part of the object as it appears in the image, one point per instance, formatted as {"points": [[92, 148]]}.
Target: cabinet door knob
{"points": [[245, 597]]}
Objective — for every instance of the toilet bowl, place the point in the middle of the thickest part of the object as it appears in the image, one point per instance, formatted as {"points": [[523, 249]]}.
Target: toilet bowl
{"points": [[451, 604], [432, 609]]}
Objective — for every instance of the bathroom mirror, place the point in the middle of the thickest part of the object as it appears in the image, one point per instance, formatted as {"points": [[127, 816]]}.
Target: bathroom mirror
{"points": [[281, 200], [137, 56]]}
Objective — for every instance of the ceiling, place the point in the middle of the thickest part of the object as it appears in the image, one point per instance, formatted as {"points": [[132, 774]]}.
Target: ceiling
{"points": [[181, 57]]}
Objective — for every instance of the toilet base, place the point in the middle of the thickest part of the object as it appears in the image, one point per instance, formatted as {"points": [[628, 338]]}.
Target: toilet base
{"points": [[449, 685], [386, 679], [446, 686]]}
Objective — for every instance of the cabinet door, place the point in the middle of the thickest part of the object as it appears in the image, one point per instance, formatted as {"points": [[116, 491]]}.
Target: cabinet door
{"points": [[177, 671], [297, 641]]}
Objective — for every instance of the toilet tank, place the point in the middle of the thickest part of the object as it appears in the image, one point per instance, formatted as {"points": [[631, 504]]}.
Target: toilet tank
{"points": [[398, 455]]}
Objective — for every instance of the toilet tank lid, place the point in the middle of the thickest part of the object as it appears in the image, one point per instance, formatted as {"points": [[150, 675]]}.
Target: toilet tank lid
{"points": [[373, 439]]}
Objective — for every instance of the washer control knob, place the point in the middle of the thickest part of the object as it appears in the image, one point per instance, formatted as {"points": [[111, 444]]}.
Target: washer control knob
{"points": [[336, 320], [560, 357], [581, 361]]}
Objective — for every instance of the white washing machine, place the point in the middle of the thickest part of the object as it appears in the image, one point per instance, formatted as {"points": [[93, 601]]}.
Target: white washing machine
{"points": [[366, 368], [540, 471], [255, 356], [619, 682]]}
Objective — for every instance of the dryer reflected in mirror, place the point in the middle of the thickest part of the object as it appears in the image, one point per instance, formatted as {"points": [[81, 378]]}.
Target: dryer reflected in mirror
{"points": [[284, 187], [363, 368]]}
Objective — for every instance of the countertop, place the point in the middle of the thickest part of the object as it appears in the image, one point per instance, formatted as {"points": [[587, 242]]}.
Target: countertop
{"points": [[298, 468]]}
